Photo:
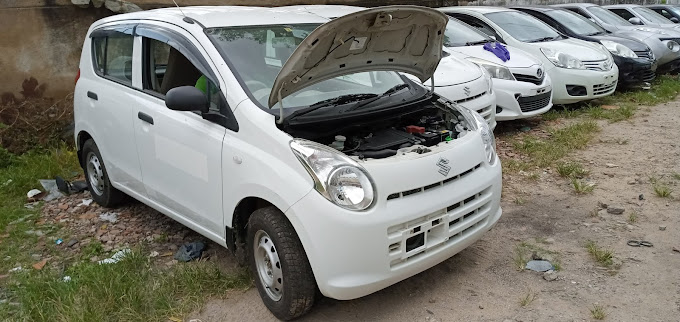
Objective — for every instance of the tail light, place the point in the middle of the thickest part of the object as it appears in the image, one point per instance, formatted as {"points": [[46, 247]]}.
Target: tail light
{"points": [[77, 76]]}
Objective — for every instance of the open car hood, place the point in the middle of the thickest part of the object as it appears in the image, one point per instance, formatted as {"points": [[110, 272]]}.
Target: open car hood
{"points": [[393, 38]]}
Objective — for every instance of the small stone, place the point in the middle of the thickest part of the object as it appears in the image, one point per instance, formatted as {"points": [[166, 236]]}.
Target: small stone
{"points": [[587, 224], [432, 301], [154, 254], [641, 197], [550, 276], [615, 210], [632, 182], [71, 242], [481, 307], [612, 165], [662, 227], [602, 205], [428, 311], [630, 227]]}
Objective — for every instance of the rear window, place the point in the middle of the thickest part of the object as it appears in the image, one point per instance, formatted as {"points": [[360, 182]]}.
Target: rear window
{"points": [[112, 56]]}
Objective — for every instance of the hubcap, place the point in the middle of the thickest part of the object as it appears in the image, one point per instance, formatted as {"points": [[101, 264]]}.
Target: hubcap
{"points": [[95, 174], [268, 265]]}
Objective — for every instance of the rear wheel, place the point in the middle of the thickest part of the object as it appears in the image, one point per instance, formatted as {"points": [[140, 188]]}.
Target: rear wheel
{"points": [[279, 264], [97, 178]]}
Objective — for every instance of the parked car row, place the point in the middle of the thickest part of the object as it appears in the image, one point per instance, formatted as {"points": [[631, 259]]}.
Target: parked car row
{"points": [[340, 149]]}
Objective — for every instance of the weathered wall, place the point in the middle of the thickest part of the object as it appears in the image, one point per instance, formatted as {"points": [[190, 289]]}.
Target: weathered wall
{"points": [[42, 39]]}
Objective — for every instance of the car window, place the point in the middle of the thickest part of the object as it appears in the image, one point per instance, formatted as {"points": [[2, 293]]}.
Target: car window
{"points": [[623, 13], [113, 56], [257, 53], [522, 26], [478, 25], [166, 68], [575, 23], [652, 16], [459, 34], [663, 12], [608, 17]]}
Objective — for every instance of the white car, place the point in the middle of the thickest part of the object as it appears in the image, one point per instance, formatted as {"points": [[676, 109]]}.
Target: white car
{"points": [[520, 83], [290, 138], [579, 70], [457, 79]]}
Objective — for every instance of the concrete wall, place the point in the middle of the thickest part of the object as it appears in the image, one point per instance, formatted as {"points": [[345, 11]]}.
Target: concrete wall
{"points": [[42, 39]]}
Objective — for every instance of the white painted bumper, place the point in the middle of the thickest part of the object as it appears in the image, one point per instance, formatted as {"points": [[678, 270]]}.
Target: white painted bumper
{"points": [[597, 83], [354, 254], [519, 100]]}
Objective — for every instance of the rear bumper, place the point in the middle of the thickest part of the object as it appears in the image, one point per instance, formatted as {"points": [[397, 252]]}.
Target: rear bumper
{"points": [[635, 71]]}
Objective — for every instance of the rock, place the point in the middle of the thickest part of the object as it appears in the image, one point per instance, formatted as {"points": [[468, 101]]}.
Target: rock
{"points": [[539, 266], [641, 197], [587, 224], [550, 276], [615, 210], [121, 6], [662, 227], [98, 3], [630, 227], [632, 182], [71, 242], [602, 205], [550, 240], [611, 165], [154, 254]]}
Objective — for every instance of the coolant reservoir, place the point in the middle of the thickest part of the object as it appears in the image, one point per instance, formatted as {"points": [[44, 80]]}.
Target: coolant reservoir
{"points": [[339, 143]]}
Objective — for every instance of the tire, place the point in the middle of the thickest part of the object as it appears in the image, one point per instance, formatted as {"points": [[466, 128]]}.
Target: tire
{"points": [[272, 239], [97, 178]]}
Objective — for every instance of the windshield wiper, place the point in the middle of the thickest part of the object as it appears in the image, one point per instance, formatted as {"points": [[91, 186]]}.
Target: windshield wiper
{"points": [[597, 33], [386, 93], [479, 42], [332, 102], [544, 39]]}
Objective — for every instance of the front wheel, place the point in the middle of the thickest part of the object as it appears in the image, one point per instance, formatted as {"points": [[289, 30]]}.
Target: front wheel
{"points": [[279, 264]]}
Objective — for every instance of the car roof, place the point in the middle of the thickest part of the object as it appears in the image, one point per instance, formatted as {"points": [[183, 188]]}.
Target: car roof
{"points": [[222, 16], [536, 8], [579, 5], [478, 9], [624, 6]]}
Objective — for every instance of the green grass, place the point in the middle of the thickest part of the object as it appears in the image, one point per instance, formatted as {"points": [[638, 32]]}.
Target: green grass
{"points": [[665, 88], [675, 175], [131, 289], [571, 170], [581, 187], [524, 251], [519, 201], [562, 141], [633, 217], [662, 190], [604, 257], [527, 298], [598, 313]]}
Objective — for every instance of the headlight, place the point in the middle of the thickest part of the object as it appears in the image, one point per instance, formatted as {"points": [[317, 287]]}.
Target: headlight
{"points": [[618, 49], [336, 176], [479, 123], [494, 70], [672, 45], [561, 59]]}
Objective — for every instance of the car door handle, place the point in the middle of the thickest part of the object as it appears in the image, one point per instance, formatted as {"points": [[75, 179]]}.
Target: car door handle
{"points": [[92, 95], [145, 117]]}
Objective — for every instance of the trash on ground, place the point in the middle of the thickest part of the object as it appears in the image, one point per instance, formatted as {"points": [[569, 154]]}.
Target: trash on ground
{"points": [[34, 194], [154, 254], [16, 269], [86, 202], [639, 243], [189, 251], [71, 242], [38, 233], [111, 217], [539, 266], [31, 205], [39, 265], [68, 187], [66, 278], [52, 190], [116, 257], [59, 241]]}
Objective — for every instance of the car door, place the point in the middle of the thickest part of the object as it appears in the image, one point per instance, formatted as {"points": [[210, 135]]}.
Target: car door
{"points": [[107, 87], [179, 151]]}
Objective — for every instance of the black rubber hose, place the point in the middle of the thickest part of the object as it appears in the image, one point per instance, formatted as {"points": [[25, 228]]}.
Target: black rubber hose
{"points": [[379, 154]]}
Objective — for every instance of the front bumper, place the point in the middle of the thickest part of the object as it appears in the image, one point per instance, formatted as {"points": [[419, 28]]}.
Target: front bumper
{"points": [[353, 254], [669, 67], [635, 71], [477, 97], [594, 84], [516, 99]]}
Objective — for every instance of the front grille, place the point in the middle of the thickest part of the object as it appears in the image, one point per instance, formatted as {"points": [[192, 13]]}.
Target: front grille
{"points": [[532, 103], [645, 54], [485, 112], [529, 78], [467, 99], [434, 185], [603, 88], [647, 75], [598, 65], [409, 240]]}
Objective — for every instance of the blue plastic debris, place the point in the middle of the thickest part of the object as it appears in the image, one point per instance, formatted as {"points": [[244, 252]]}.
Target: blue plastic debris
{"points": [[498, 49], [59, 241]]}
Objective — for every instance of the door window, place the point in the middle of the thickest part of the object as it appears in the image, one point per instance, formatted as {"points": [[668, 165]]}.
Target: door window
{"points": [[663, 12], [112, 55], [623, 13]]}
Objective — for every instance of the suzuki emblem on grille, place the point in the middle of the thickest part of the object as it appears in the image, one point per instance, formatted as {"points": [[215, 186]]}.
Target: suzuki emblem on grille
{"points": [[539, 73], [444, 167], [466, 90]]}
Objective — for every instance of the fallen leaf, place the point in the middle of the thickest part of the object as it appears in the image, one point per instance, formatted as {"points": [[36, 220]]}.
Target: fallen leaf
{"points": [[39, 265], [174, 319], [610, 107], [166, 254]]}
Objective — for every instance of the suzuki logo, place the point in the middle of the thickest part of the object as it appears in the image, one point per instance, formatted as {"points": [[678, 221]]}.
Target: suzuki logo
{"points": [[444, 167], [539, 73], [466, 90]]}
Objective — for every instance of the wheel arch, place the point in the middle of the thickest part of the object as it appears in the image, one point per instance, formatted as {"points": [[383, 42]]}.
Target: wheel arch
{"points": [[81, 138]]}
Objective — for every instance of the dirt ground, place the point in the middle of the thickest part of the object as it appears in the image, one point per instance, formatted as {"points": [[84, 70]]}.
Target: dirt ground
{"points": [[482, 283]]}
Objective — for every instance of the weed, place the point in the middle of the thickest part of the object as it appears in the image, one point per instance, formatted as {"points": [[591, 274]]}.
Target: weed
{"points": [[544, 152], [604, 257], [633, 217], [662, 190], [582, 188], [512, 166], [534, 176], [597, 312], [527, 298], [675, 175], [571, 170], [594, 213], [524, 252], [522, 257], [519, 201]]}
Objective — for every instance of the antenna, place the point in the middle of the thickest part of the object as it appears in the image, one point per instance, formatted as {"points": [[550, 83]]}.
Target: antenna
{"points": [[186, 19]]}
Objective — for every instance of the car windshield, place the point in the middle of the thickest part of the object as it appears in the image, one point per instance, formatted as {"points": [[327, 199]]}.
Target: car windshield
{"points": [[608, 17], [522, 26], [257, 53], [575, 22], [675, 10], [651, 15], [458, 34]]}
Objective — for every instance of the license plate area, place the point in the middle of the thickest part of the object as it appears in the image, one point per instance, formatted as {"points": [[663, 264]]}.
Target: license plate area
{"points": [[426, 235]]}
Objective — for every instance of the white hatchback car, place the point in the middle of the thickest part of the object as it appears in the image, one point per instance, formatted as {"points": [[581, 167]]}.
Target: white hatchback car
{"points": [[290, 138], [579, 70]]}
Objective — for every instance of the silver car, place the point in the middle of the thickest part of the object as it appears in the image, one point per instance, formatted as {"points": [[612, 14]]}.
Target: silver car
{"points": [[664, 42]]}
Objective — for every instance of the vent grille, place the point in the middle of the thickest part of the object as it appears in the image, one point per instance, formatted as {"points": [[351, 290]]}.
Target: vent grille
{"points": [[604, 88], [529, 78], [532, 103], [403, 194]]}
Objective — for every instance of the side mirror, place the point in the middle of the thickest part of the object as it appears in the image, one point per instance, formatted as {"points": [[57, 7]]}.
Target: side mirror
{"points": [[675, 20], [635, 21], [186, 98]]}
